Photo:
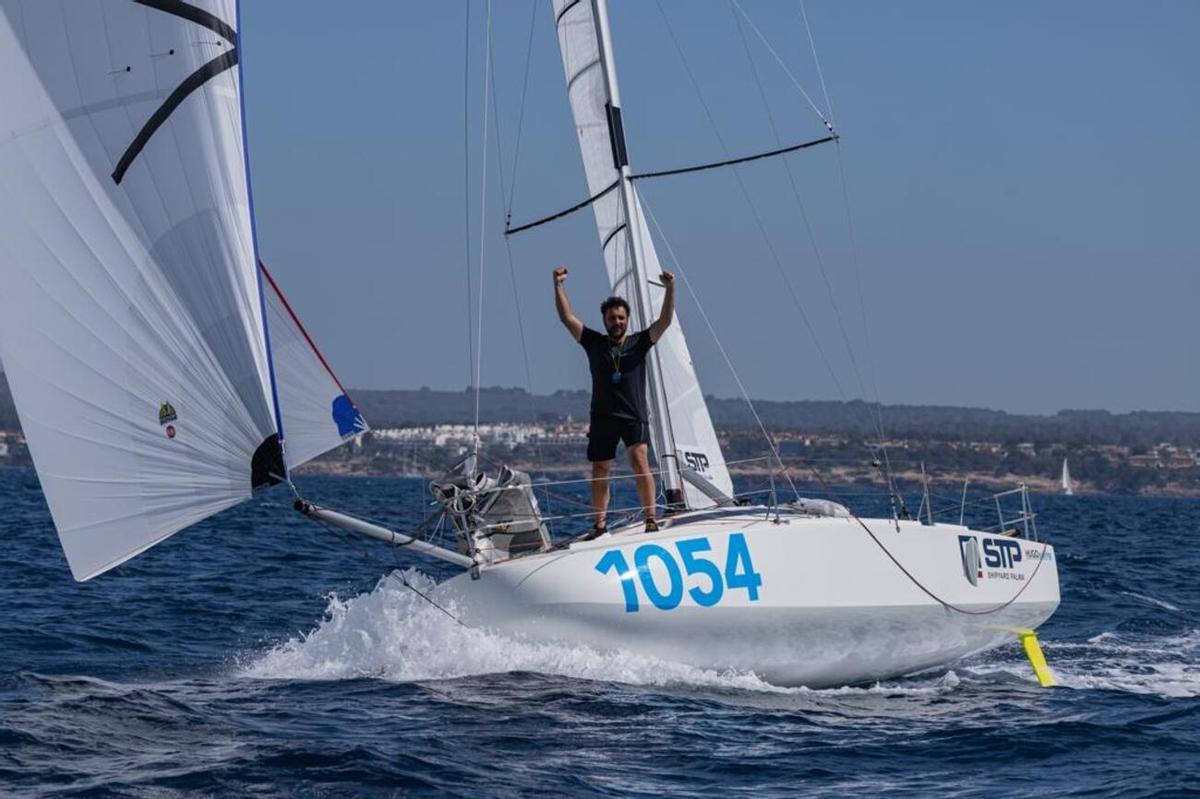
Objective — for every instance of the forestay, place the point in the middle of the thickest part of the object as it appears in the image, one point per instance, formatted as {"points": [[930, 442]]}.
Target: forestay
{"points": [[690, 426], [131, 316]]}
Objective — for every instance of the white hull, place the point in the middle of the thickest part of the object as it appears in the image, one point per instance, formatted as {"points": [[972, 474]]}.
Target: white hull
{"points": [[832, 608]]}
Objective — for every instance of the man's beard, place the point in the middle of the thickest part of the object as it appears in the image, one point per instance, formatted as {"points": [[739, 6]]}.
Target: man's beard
{"points": [[616, 331]]}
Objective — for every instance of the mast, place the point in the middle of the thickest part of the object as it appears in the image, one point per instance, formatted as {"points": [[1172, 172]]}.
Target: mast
{"points": [[661, 430]]}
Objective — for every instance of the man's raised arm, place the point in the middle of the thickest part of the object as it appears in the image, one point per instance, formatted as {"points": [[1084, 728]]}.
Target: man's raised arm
{"points": [[668, 308], [569, 319]]}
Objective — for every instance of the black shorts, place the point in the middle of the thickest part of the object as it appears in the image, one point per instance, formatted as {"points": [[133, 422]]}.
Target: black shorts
{"points": [[604, 433]]}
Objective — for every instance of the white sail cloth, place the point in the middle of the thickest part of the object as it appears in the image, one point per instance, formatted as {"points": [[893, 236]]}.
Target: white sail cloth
{"points": [[318, 414], [131, 312], [691, 428]]}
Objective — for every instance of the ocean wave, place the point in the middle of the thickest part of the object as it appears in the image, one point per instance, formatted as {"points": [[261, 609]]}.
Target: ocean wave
{"points": [[1158, 602]]}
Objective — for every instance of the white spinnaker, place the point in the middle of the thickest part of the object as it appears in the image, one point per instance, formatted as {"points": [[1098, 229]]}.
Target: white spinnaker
{"points": [[695, 440], [130, 317], [318, 414]]}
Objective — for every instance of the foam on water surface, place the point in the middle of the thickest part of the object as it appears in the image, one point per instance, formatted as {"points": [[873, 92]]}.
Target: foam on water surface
{"points": [[155, 680], [392, 633], [1163, 665]]}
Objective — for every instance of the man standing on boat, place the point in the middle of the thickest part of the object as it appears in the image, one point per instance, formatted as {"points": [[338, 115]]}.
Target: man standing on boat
{"points": [[618, 410]]}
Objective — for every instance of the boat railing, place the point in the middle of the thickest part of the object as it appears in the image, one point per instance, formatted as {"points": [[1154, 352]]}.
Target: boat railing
{"points": [[1014, 511], [1020, 519]]}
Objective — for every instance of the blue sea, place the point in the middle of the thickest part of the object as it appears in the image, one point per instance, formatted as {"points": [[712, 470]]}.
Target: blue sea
{"points": [[258, 653]]}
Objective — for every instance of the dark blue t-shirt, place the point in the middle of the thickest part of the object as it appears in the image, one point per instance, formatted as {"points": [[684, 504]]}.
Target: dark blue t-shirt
{"points": [[624, 398]]}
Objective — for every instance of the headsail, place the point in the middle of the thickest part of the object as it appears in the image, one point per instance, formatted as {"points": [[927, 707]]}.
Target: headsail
{"points": [[599, 126], [131, 318], [318, 413]]}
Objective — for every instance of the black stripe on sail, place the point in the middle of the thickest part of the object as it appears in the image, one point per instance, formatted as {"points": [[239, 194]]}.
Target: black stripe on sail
{"points": [[193, 14], [192, 82], [564, 11], [609, 237]]}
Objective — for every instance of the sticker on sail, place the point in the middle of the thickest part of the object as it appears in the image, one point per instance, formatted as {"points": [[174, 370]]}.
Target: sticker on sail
{"points": [[166, 416], [347, 418]]}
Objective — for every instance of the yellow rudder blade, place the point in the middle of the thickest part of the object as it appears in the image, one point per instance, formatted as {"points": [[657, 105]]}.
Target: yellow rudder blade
{"points": [[1033, 650]]}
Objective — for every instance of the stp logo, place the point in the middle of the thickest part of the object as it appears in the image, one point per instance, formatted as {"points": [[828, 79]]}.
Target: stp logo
{"points": [[998, 553], [696, 460], [1001, 553]]}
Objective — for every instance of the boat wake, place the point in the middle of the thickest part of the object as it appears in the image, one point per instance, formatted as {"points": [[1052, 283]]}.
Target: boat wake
{"points": [[391, 633], [1163, 665]]}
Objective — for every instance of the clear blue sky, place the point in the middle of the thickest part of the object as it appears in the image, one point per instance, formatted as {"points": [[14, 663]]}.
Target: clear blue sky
{"points": [[1023, 181]]}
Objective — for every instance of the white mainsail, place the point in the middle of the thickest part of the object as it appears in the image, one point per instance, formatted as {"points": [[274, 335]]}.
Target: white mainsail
{"points": [[687, 431], [132, 314], [1067, 488]]}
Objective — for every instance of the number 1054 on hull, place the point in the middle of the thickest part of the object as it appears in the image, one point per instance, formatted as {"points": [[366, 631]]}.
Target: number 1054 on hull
{"points": [[799, 601]]}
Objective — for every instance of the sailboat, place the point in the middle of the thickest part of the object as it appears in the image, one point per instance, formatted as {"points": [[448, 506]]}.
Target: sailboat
{"points": [[161, 377], [1067, 488]]}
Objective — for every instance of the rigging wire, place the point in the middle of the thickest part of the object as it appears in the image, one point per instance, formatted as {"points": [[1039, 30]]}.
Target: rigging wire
{"points": [[512, 272], [467, 184], [721, 347], [489, 89], [487, 76], [520, 115], [828, 124], [817, 62], [856, 261], [812, 239], [916, 581], [873, 418], [753, 209]]}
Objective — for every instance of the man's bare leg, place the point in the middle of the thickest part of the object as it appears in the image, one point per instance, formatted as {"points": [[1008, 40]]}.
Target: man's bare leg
{"points": [[639, 462], [600, 473]]}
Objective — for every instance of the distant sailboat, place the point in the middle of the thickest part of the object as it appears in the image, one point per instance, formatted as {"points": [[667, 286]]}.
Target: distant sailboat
{"points": [[1066, 480]]}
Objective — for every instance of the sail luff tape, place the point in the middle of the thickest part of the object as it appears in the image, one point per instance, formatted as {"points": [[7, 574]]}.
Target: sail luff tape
{"points": [[1033, 651]]}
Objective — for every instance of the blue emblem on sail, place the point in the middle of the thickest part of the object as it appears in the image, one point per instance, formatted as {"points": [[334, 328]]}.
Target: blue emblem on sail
{"points": [[347, 418]]}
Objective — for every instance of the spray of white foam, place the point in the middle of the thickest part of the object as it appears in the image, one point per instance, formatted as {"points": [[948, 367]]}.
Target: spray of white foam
{"points": [[391, 633]]}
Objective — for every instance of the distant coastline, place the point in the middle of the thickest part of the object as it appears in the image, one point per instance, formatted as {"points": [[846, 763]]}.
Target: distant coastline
{"points": [[1144, 453]]}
